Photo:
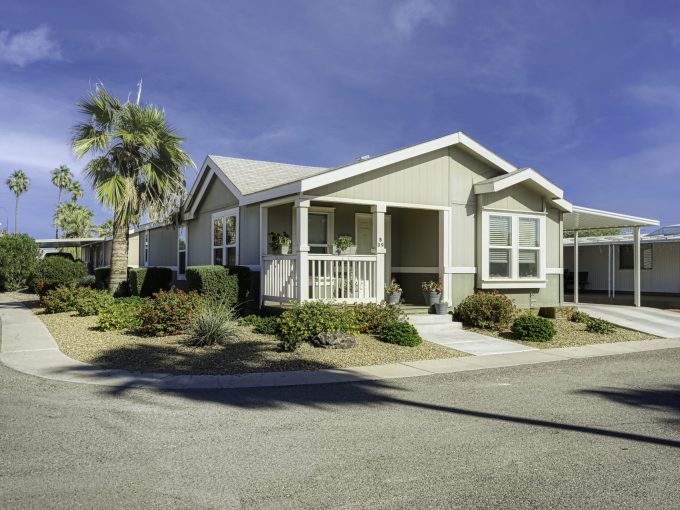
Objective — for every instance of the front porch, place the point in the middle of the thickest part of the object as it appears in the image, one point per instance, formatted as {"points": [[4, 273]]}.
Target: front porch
{"points": [[407, 242]]}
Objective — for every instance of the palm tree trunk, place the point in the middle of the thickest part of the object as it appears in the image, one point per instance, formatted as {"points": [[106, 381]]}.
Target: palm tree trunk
{"points": [[56, 229], [119, 257], [16, 214]]}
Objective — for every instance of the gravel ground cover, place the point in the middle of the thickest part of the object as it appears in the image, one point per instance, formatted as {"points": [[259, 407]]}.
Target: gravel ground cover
{"points": [[79, 338], [573, 334]]}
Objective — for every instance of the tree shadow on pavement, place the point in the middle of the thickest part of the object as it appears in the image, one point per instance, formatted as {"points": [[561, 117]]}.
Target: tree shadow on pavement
{"points": [[663, 399]]}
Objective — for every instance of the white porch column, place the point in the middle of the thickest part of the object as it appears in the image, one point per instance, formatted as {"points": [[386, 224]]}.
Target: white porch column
{"points": [[636, 265], [264, 222], [378, 212], [576, 266], [445, 254], [302, 248]]}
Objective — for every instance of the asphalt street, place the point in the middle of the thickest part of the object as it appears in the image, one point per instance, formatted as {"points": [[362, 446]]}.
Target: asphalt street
{"points": [[592, 433]]}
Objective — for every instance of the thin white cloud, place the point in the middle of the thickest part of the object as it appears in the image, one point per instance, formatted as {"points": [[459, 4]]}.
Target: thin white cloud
{"points": [[407, 16], [658, 94], [24, 48]]}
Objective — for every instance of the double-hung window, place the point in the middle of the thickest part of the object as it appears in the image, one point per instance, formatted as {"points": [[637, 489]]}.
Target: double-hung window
{"points": [[318, 232], [146, 248], [181, 251], [513, 248], [225, 238]]}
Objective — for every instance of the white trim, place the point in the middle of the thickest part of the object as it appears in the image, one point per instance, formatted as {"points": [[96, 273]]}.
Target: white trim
{"points": [[383, 203], [514, 284], [460, 270], [234, 211], [416, 269], [629, 221], [262, 196], [526, 174], [554, 270]]}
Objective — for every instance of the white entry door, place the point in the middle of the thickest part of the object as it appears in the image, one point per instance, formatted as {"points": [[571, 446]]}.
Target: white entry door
{"points": [[363, 223]]}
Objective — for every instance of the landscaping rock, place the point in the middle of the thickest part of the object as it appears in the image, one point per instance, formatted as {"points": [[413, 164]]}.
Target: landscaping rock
{"points": [[334, 341]]}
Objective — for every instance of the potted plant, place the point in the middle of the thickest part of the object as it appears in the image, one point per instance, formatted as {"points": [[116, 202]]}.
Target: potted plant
{"points": [[432, 292], [441, 308], [344, 244], [392, 293], [279, 243]]}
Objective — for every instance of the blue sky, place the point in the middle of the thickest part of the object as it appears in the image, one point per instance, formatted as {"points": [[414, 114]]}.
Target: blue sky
{"points": [[588, 93]]}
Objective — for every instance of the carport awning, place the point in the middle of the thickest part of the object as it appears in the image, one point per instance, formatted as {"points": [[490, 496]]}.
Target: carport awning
{"points": [[582, 218], [68, 243]]}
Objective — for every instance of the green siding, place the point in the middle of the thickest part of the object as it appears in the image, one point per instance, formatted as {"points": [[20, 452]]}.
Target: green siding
{"points": [[162, 246]]}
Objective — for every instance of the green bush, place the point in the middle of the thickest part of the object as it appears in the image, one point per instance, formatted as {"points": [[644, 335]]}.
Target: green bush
{"points": [[600, 326], [489, 310], [400, 333], [229, 285], [18, 257], [169, 313], [122, 313], [61, 299], [533, 328], [102, 276], [262, 325], [146, 281], [372, 317], [90, 301], [52, 272], [304, 321], [88, 281], [581, 317], [214, 323]]}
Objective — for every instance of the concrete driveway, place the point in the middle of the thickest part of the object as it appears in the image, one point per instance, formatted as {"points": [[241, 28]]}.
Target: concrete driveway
{"points": [[663, 323], [590, 433]]}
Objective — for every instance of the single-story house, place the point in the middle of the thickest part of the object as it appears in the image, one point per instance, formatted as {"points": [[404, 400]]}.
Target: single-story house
{"points": [[447, 209], [93, 251]]}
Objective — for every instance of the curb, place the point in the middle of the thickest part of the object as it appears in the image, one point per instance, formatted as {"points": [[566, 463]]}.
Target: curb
{"points": [[27, 346]]}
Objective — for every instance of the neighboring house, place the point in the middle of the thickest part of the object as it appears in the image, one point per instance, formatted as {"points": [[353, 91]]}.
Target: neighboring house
{"points": [[609, 262], [94, 250], [448, 208]]}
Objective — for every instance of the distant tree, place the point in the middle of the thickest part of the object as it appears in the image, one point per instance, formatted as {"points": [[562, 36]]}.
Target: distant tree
{"points": [[105, 229], [74, 220], [595, 232], [18, 184], [62, 178], [138, 166], [76, 191]]}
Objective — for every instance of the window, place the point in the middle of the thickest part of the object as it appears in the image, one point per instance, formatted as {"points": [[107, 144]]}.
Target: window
{"points": [[181, 251], [627, 256], [146, 248], [225, 238], [318, 232], [514, 247]]}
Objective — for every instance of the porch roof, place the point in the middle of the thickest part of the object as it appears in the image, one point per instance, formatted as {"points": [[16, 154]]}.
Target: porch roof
{"points": [[584, 218], [69, 243]]}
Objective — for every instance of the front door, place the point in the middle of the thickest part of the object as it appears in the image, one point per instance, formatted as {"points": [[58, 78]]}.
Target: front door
{"points": [[364, 239]]}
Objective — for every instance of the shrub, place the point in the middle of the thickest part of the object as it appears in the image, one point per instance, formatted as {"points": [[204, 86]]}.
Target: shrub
{"points": [[304, 321], [146, 281], [372, 317], [90, 301], [581, 317], [102, 276], [52, 272], [213, 324], [400, 333], [600, 326], [533, 328], [122, 313], [18, 257], [88, 281], [489, 310], [262, 325], [229, 285], [168, 313], [61, 299]]}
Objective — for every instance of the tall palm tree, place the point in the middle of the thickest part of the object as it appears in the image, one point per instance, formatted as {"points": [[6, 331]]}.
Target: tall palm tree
{"points": [[18, 184], [137, 167], [61, 178], [74, 220], [76, 191], [105, 229]]}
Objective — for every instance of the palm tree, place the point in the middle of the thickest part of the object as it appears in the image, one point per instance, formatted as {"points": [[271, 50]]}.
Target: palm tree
{"points": [[76, 191], [18, 184], [74, 220], [61, 178], [105, 229], [137, 167]]}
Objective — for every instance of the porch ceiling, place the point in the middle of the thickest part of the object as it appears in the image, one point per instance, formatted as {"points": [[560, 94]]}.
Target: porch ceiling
{"points": [[583, 218]]}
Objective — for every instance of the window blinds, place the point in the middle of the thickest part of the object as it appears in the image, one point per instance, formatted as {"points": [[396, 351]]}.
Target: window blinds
{"points": [[528, 232], [500, 231]]}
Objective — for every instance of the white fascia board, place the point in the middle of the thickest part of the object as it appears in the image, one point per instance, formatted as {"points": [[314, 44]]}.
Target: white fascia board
{"points": [[528, 174], [634, 220], [194, 187], [485, 153], [271, 194], [563, 205]]}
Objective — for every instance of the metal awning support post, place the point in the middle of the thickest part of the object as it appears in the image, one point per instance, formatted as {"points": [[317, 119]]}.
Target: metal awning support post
{"points": [[636, 265], [576, 266]]}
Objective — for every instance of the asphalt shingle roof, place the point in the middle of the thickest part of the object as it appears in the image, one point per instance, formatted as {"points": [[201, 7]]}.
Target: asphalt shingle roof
{"points": [[251, 176]]}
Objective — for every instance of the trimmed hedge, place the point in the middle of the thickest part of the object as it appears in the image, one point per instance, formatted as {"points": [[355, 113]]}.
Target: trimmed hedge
{"points": [[489, 310], [146, 281], [51, 272], [304, 321], [533, 328], [102, 275], [400, 333], [230, 285], [18, 256]]}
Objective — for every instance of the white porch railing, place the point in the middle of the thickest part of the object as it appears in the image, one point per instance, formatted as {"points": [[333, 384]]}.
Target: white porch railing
{"points": [[343, 278], [338, 278], [279, 277]]}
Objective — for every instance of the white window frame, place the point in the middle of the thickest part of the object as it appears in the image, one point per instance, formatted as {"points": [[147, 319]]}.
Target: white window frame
{"points": [[146, 254], [330, 227], [514, 281], [183, 276], [224, 214]]}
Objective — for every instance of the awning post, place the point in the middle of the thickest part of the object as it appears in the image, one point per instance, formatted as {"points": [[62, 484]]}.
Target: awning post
{"points": [[576, 266], [636, 265]]}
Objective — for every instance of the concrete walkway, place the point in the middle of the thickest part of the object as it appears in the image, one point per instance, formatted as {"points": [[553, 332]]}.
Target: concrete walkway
{"points": [[27, 346], [440, 329], [654, 321]]}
